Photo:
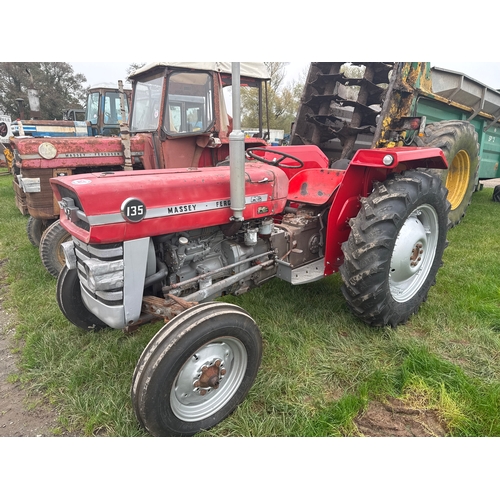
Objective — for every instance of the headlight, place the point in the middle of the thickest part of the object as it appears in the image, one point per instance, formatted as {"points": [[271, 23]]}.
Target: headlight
{"points": [[388, 160], [47, 150]]}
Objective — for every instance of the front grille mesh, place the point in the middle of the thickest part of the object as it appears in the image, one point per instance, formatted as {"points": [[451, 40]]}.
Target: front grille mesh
{"points": [[109, 257]]}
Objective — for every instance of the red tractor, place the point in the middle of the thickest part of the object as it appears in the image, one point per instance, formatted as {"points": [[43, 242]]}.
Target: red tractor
{"points": [[165, 244]]}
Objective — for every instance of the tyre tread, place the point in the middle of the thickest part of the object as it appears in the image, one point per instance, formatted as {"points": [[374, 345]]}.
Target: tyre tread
{"points": [[368, 250]]}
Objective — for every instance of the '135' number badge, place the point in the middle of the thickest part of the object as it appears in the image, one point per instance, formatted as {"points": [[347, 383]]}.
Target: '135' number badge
{"points": [[133, 210]]}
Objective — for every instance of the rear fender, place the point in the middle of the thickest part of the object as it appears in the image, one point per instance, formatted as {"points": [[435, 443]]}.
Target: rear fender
{"points": [[366, 167]]}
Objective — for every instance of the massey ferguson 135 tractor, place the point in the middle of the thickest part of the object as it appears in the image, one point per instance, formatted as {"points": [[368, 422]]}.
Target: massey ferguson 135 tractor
{"points": [[164, 244]]}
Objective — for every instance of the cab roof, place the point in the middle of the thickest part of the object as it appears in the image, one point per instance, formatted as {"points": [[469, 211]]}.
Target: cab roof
{"points": [[248, 69], [110, 86]]}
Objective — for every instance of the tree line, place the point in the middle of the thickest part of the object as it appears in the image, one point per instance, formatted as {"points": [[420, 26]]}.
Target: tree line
{"points": [[59, 87]]}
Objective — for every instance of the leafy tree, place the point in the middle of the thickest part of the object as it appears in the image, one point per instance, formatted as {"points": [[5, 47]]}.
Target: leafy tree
{"points": [[283, 99], [134, 67], [58, 86]]}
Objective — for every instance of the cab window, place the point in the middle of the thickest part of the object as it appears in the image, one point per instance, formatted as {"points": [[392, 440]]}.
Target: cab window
{"points": [[93, 107], [189, 104]]}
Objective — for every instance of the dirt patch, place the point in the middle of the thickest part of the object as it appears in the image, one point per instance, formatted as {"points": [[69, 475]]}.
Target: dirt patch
{"points": [[21, 414], [393, 419]]}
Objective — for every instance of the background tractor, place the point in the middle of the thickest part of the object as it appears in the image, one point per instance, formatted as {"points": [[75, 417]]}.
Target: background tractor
{"points": [[103, 115]]}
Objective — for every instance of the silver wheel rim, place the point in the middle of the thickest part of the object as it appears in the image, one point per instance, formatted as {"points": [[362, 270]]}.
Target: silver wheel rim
{"points": [[190, 401], [413, 253]]}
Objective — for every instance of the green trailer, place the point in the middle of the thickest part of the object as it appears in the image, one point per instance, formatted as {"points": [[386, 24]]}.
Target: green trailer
{"points": [[456, 96], [349, 106]]}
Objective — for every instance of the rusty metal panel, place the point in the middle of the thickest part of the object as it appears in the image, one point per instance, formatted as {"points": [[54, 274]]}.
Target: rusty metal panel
{"points": [[20, 197], [40, 204]]}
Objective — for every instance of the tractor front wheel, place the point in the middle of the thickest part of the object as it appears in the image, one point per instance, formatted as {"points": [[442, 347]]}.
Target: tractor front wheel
{"points": [[35, 229], [51, 252], [395, 248], [196, 370], [69, 299]]}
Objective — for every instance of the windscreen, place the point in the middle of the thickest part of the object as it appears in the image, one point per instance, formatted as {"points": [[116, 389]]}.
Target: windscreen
{"points": [[112, 108], [147, 104]]}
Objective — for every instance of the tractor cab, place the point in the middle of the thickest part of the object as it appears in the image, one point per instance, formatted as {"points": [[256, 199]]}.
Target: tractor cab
{"points": [[181, 109], [103, 110]]}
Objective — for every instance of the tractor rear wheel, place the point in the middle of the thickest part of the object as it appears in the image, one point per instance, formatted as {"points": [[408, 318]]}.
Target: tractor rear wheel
{"points": [[35, 229], [69, 299], [458, 140], [395, 248], [51, 252], [196, 370]]}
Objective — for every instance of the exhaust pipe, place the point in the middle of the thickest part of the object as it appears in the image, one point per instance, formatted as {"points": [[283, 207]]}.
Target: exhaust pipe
{"points": [[237, 150]]}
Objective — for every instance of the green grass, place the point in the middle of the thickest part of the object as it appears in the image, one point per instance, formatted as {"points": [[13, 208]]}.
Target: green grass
{"points": [[320, 365]]}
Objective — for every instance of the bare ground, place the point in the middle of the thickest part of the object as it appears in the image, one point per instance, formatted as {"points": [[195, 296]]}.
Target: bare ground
{"points": [[21, 413], [393, 419]]}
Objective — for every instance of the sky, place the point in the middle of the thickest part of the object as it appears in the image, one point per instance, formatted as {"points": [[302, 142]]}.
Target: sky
{"points": [[97, 72], [487, 73]]}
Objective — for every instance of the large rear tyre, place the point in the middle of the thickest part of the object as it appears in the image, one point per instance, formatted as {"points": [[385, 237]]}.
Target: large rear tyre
{"points": [[35, 229], [69, 299], [196, 370], [458, 140], [395, 248], [51, 252]]}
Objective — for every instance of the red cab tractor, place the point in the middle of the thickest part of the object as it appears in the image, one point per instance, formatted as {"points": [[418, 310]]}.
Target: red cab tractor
{"points": [[164, 244]]}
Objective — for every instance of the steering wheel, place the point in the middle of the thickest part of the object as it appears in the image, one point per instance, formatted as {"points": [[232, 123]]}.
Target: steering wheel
{"points": [[277, 161]]}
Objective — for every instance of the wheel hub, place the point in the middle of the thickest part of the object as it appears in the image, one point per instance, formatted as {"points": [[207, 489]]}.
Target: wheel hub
{"points": [[416, 253], [210, 377]]}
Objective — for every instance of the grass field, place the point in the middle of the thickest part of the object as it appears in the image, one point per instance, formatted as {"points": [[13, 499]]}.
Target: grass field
{"points": [[321, 367]]}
